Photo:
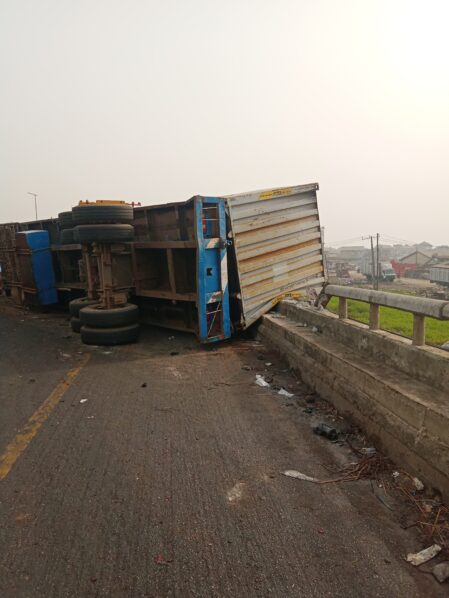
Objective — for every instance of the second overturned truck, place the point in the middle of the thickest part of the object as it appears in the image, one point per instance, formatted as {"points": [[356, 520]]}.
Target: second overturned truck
{"points": [[210, 265]]}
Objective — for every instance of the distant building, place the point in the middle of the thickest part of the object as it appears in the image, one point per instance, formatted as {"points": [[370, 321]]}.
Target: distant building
{"points": [[441, 252], [413, 262], [351, 253], [417, 258], [439, 273]]}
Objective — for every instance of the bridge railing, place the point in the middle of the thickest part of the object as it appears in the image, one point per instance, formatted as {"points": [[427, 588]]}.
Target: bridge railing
{"points": [[420, 307]]}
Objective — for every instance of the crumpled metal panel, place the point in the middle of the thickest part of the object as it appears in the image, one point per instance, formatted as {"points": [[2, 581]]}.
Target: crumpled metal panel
{"points": [[278, 246]]}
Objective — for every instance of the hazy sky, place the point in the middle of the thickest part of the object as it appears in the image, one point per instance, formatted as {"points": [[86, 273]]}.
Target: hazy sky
{"points": [[158, 101]]}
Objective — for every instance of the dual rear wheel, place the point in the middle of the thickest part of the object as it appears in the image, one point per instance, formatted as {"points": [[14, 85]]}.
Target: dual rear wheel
{"points": [[100, 326]]}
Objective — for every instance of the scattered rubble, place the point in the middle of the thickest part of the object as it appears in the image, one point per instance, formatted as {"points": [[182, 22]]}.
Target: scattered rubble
{"points": [[285, 393], [260, 381], [441, 571], [418, 558], [418, 484], [327, 431], [292, 473], [159, 559], [369, 451]]}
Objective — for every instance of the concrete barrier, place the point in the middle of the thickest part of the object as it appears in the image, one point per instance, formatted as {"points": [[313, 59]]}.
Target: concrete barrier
{"points": [[398, 393]]}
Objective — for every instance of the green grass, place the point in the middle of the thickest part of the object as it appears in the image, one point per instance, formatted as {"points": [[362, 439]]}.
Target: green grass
{"points": [[394, 320]]}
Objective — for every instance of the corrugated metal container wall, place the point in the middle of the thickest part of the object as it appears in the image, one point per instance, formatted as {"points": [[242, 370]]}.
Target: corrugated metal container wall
{"points": [[440, 274], [277, 240]]}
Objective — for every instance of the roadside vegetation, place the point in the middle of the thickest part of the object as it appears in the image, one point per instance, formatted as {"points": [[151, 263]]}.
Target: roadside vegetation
{"points": [[394, 320]]}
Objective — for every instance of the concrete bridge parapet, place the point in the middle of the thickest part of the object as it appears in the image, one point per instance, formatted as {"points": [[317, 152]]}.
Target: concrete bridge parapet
{"points": [[397, 392]]}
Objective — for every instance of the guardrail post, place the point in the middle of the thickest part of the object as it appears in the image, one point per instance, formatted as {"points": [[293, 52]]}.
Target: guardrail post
{"points": [[343, 308], [374, 316], [419, 330]]}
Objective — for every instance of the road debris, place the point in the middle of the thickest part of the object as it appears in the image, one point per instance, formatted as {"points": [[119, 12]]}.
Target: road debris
{"points": [[370, 451], [395, 474], [159, 559], [441, 571], [83, 400], [246, 367], [260, 381], [327, 431], [143, 385], [381, 495], [418, 484], [236, 492], [268, 363], [418, 558], [292, 473], [285, 393]]}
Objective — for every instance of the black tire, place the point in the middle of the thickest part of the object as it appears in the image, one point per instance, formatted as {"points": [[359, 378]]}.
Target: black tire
{"points": [[77, 304], [65, 220], [103, 214], [104, 233], [75, 323], [68, 236], [96, 317], [110, 336]]}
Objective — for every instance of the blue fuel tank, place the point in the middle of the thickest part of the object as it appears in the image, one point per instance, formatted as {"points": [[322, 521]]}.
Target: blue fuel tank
{"points": [[36, 265]]}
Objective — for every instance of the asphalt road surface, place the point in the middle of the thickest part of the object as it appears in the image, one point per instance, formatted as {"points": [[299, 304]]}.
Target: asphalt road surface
{"points": [[155, 470]]}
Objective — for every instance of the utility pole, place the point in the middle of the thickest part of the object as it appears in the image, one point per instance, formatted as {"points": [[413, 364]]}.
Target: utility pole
{"points": [[373, 270], [377, 263], [35, 201]]}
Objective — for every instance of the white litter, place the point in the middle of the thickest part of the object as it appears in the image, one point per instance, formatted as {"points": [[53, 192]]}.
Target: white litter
{"points": [[260, 381], [268, 364], [395, 474], [418, 558], [236, 492], [83, 400], [418, 484], [285, 393], [171, 338], [292, 473]]}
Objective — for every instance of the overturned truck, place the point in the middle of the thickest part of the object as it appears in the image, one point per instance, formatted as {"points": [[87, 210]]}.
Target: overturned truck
{"points": [[210, 265]]}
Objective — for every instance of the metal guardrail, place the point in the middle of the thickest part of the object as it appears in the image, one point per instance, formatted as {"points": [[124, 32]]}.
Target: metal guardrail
{"points": [[420, 307]]}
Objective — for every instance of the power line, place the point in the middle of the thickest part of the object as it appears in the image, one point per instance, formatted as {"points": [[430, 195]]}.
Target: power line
{"points": [[344, 241], [393, 238]]}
